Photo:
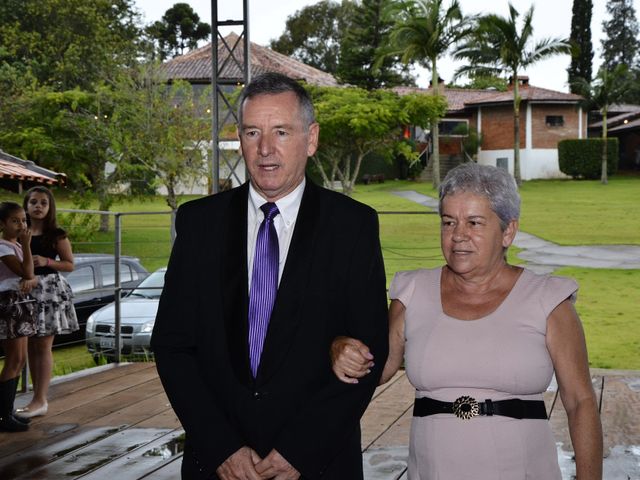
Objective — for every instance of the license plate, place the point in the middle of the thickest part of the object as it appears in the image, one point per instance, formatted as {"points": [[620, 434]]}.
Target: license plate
{"points": [[107, 343]]}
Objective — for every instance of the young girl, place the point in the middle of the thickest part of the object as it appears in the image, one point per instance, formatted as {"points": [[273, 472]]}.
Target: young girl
{"points": [[52, 254], [17, 318]]}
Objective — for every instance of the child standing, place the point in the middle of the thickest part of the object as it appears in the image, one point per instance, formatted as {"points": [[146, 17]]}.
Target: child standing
{"points": [[17, 319], [52, 254]]}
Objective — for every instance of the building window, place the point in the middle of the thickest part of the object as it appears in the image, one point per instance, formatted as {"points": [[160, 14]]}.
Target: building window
{"points": [[554, 120], [502, 162], [454, 128]]}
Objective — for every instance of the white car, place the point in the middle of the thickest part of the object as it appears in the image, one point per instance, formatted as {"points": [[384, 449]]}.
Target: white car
{"points": [[137, 316]]}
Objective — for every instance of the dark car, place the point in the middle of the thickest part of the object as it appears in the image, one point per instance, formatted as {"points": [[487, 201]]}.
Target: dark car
{"points": [[93, 283]]}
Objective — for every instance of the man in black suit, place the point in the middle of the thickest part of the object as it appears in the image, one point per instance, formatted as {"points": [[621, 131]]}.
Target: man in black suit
{"points": [[278, 413]]}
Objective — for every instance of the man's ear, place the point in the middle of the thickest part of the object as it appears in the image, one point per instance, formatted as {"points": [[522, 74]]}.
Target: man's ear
{"points": [[313, 138]]}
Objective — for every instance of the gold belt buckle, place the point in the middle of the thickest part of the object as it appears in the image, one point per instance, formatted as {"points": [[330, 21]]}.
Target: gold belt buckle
{"points": [[466, 407]]}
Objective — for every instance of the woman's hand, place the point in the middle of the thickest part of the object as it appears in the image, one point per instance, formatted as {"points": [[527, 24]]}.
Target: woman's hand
{"points": [[24, 237], [40, 261], [568, 350], [350, 359], [27, 285]]}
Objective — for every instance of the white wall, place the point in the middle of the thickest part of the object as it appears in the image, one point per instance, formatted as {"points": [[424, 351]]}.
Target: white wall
{"points": [[534, 163]]}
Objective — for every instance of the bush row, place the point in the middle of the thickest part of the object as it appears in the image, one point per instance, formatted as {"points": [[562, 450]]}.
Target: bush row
{"points": [[583, 158]]}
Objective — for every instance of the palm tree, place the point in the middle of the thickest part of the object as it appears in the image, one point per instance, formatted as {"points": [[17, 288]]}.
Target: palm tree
{"points": [[605, 90], [496, 47], [425, 31]]}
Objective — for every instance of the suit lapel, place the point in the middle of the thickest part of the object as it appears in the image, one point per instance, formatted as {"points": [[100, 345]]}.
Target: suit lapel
{"points": [[234, 284], [285, 317]]}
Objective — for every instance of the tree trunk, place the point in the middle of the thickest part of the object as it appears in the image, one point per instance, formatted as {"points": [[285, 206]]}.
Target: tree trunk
{"points": [[172, 201], [435, 130], [318, 164], [516, 129], [103, 204], [355, 173], [603, 176]]}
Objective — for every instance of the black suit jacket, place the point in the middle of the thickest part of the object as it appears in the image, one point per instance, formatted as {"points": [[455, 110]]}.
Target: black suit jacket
{"points": [[333, 284]]}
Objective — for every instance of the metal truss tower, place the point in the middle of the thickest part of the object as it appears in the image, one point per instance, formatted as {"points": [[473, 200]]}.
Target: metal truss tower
{"points": [[224, 102]]}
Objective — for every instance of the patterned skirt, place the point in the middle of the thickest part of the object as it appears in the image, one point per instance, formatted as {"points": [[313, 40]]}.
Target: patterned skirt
{"points": [[17, 315], [54, 311]]}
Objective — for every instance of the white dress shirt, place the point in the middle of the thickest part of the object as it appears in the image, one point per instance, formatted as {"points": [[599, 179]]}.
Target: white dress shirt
{"points": [[284, 223]]}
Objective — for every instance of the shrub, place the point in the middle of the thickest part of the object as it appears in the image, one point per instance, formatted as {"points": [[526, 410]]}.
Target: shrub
{"points": [[583, 158]]}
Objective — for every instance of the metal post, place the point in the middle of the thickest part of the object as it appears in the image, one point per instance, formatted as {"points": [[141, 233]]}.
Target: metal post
{"points": [[117, 252], [215, 137], [25, 378], [222, 100]]}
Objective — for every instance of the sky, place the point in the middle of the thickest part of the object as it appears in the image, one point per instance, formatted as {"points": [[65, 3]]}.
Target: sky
{"points": [[552, 18]]}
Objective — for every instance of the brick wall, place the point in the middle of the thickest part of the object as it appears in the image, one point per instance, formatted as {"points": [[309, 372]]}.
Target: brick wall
{"points": [[497, 127], [545, 136]]}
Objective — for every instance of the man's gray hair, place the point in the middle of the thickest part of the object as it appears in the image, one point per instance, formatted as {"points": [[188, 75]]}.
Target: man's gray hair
{"points": [[495, 184], [273, 83]]}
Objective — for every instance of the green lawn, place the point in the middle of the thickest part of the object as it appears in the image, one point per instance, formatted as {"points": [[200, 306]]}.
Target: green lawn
{"points": [[608, 306], [570, 212], [565, 212]]}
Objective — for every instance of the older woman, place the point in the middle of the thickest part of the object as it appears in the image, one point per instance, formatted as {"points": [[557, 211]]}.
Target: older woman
{"points": [[481, 340]]}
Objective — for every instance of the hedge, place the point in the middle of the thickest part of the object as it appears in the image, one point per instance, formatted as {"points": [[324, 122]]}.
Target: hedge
{"points": [[583, 158]]}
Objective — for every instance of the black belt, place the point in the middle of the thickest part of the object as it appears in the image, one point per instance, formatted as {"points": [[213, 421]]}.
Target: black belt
{"points": [[467, 407]]}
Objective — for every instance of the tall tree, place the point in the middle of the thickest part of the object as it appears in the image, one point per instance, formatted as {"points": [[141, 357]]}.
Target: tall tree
{"points": [[499, 46], [314, 33], [621, 44], [68, 44], [363, 43], [580, 40], [606, 89], [180, 29], [67, 132], [423, 33], [355, 123], [160, 132]]}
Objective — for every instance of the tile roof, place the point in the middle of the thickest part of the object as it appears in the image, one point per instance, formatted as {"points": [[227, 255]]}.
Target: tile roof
{"points": [[14, 168], [624, 108], [460, 98], [617, 115], [457, 98], [195, 66], [632, 124]]}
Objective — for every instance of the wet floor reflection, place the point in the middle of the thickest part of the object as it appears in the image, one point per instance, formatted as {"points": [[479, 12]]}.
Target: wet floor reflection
{"points": [[167, 450]]}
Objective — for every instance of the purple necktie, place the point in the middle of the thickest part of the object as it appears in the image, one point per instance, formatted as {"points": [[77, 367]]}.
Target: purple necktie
{"points": [[264, 284]]}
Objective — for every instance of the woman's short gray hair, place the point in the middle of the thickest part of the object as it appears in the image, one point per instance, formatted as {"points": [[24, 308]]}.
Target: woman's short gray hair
{"points": [[495, 184]]}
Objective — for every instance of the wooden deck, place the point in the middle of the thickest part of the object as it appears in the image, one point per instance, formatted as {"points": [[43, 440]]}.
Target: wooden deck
{"points": [[116, 422]]}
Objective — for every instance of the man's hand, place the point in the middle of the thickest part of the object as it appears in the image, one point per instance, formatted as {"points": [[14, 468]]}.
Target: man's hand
{"points": [[275, 467], [240, 466], [350, 359]]}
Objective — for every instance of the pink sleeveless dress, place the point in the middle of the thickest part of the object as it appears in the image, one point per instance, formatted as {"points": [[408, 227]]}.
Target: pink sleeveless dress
{"points": [[497, 357]]}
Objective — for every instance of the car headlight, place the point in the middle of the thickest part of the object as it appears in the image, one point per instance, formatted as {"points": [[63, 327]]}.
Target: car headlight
{"points": [[147, 327], [91, 323]]}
